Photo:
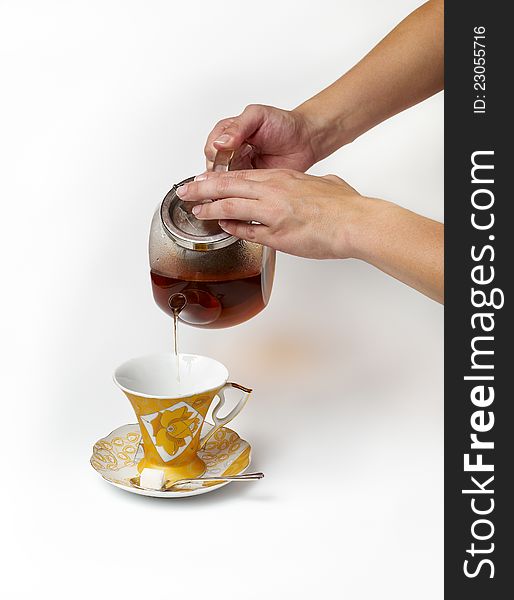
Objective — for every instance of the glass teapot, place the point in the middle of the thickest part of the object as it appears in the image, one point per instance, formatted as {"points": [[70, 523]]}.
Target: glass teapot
{"points": [[208, 277]]}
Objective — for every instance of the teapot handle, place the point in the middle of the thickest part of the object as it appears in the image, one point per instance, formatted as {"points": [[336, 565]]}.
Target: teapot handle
{"points": [[222, 160]]}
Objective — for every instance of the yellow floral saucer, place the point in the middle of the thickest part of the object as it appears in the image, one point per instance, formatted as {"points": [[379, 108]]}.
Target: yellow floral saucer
{"points": [[115, 457]]}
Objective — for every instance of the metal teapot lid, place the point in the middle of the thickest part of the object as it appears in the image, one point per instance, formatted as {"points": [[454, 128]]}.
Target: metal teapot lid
{"points": [[184, 228]]}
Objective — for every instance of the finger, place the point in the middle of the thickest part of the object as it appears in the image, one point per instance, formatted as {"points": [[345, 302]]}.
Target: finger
{"points": [[222, 186], [251, 174], [240, 128], [240, 209], [219, 128], [260, 234]]}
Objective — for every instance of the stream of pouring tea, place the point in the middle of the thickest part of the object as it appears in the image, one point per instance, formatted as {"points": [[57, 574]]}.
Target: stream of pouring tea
{"points": [[175, 343], [176, 302]]}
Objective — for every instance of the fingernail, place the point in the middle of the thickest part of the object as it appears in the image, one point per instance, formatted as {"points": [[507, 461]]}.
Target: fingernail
{"points": [[182, 190], [223, 139], [223, 223], [201, 177], [196, 210]]}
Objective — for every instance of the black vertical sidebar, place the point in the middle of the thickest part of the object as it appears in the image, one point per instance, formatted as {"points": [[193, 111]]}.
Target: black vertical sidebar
{"points": [[478, 124]]}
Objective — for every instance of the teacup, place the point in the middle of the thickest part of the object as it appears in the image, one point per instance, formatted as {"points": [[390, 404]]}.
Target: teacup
{"points": [[171, 396]]}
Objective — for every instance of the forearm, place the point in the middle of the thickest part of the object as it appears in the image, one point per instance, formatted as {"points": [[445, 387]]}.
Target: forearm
{"points": [[403, 69], [403, 244]]}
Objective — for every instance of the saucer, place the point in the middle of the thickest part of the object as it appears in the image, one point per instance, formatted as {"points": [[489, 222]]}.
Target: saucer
{"points": [[116, 456]]}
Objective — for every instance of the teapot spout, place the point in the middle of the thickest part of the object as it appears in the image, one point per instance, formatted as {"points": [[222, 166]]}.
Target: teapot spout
{"points": [[177, 302]]}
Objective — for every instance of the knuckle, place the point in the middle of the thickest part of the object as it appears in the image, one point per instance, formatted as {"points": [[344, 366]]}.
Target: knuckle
{"points": [[276, 208], [246, 231], [228, 208], [273, 188], [238, 174], [232, 127], [285, 174], [332, 177], [192, 188], [251, 232], [252, 108], [205, 211], [223, 124], [222, 185]]}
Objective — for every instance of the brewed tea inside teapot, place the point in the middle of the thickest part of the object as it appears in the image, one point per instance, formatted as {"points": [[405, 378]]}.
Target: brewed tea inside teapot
{"points": [[199, 272]]}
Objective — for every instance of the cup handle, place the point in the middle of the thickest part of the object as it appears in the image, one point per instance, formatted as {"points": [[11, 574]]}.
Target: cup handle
{"points": [[219, 422]]}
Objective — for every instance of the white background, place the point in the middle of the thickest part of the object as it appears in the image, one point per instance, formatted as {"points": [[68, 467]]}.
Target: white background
{"points": [[104, 105]]}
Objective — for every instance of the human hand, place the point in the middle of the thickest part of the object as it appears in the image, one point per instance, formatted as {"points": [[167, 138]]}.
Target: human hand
{"points": [[287, 210], [264, 137], [323, 217]]}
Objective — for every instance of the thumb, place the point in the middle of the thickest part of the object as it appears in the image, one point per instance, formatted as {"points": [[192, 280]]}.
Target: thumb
{"points": [[241, 127]]}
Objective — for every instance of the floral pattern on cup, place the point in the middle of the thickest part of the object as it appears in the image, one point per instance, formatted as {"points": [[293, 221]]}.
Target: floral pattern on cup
{"points": [[171, 428]]}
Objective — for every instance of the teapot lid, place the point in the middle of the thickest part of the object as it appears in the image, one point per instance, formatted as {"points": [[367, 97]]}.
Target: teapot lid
{"points": [[184, 228]]}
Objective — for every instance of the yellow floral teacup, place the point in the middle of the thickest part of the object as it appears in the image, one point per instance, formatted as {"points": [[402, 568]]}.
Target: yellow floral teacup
{"points": [[171, 396]]}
